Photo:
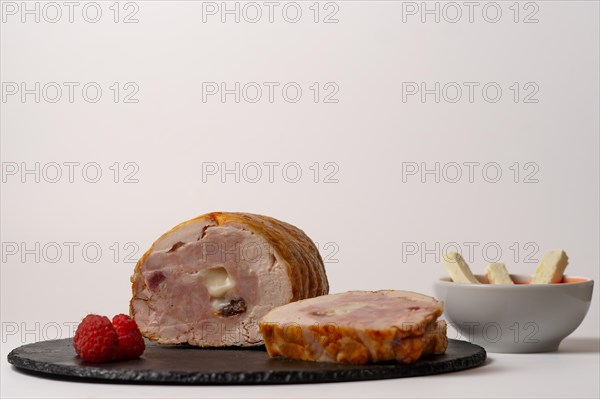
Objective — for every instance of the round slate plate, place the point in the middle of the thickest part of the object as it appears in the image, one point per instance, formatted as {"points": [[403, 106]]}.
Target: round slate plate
{"points": [[180, 364]]}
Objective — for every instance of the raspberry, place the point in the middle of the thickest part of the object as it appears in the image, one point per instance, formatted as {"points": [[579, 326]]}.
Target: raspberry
{"points": [[131, 342], [96, 339]]}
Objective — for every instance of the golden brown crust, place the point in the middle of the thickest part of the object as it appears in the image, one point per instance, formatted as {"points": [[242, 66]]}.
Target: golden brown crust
{"points": [[348, 345], [305, 266], [291, 245]]}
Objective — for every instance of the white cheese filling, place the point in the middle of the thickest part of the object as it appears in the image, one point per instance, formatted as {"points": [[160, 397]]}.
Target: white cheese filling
{"points": [[218, 282]]}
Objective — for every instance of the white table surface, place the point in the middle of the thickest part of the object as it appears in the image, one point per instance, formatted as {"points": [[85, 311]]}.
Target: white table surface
{"points": [[571, 372]]}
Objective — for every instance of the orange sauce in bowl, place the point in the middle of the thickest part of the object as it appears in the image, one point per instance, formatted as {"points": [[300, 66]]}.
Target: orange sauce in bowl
{"points": [[574, 280], [564, 280], [518, 280]]}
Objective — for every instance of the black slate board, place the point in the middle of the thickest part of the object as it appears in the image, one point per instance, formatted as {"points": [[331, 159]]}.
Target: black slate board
{"points": [[180, 364]]}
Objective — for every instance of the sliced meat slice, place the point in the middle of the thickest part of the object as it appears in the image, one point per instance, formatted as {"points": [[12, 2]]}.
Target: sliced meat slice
{"points": [[208, 281], [357, 327]]}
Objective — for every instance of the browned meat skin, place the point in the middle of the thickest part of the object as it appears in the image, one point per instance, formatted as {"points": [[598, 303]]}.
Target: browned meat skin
{"points": [[357, 327], [172, 303], [307, 272]]}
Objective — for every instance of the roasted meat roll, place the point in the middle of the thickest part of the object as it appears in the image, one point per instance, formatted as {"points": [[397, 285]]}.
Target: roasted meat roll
{"points": [[357, 327], [208, 281]]}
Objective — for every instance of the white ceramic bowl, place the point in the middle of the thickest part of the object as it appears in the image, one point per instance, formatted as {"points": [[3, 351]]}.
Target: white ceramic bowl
{"points": [[515, 318]]}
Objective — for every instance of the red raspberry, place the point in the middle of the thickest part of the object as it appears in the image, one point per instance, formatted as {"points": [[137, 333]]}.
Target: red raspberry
{"points": [[96, 339], [131, 342]]}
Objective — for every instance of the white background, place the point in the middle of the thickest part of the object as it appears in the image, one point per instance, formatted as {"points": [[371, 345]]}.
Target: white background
{"points": [[376, 227]]}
